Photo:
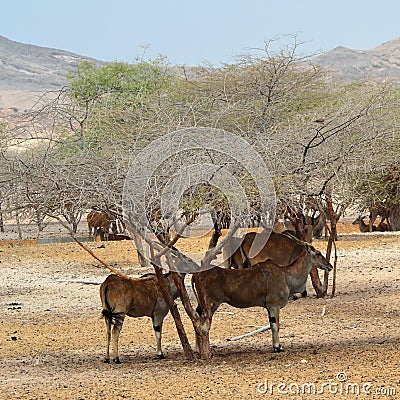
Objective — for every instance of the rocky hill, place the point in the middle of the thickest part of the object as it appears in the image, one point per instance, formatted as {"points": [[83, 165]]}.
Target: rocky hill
{"points": [[26, 69], [379, 63]]}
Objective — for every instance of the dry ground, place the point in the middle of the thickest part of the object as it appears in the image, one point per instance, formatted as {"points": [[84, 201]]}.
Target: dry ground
{"points": [[52, 337]]}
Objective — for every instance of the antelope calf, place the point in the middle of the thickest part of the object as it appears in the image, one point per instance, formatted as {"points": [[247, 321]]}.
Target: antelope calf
{"points": [[135, 297], [264, 285]]}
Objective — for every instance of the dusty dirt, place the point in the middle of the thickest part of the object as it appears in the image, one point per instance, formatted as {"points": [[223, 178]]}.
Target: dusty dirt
{"points": [[52, 338]]}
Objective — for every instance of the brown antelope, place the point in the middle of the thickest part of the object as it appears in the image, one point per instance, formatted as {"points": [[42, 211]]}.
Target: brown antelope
{"points": [[264, 285], [281, 248], [383, 227], [384, 213], [117, 237], [135, 297], [97, 221], [363, 226]]}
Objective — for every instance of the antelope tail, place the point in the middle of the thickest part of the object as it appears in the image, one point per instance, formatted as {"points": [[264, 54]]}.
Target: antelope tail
{"points": [[108, 312]]}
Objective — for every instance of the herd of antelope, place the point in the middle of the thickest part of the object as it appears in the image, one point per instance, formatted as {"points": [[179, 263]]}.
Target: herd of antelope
{"points": [[258, 272], [276, 274], [384, 224]]}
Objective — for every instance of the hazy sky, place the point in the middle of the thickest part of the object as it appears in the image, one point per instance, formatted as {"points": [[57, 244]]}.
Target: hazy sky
{"points": [[192, 32]]}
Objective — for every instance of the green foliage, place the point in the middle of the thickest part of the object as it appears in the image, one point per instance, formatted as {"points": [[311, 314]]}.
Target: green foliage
{"points": [[91, 82], [119, 102]]}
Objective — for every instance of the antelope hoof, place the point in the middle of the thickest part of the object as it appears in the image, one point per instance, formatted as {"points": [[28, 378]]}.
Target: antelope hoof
{"points": [[278, 349], [161, 356], [116, 361], [106, 361]]}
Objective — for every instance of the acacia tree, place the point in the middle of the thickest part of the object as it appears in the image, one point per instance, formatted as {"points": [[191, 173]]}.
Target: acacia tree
{"points": [[315, 161], [71, 151], [310, 132], [375, 185]]}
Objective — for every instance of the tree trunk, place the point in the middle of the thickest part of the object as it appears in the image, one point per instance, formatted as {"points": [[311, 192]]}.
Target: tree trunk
{"points": [[75, 224], [73, 218], [328, 257], [200, 325], [317, 284], [139, 249], [39, 221], [332, 237], [321, 289], [203, 340], [174, 312], [394, 219], [1, 219], [18, 227]]}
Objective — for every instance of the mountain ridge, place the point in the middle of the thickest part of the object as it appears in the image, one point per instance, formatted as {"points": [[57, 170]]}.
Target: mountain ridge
{"points": [[30, 67], [350, 65], [26, 69]]}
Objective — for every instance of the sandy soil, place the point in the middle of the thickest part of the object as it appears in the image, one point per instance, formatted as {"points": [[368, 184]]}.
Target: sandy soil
{"points": [[52, 337]]}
